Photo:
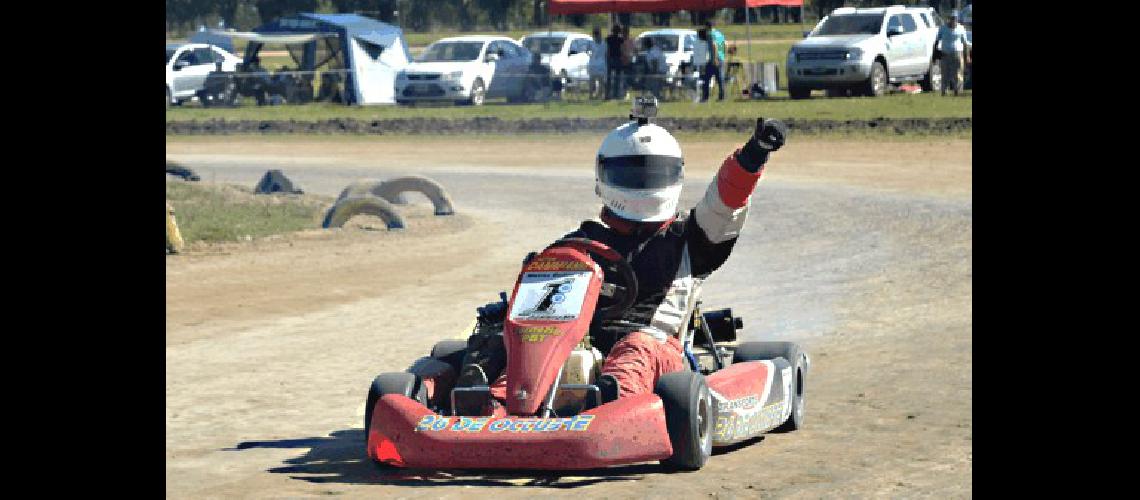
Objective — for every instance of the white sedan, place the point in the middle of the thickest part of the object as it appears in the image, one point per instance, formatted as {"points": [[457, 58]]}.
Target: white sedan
{"points": [[187, 66], [467, 70], [567, 54]]}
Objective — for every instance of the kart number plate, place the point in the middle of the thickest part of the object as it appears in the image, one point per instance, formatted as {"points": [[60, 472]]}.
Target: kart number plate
{"points": [[552, 296]]}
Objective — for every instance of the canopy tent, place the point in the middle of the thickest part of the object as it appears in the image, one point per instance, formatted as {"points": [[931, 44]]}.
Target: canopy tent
{"points": [[367, 51], [251, 36], [563, 7]]}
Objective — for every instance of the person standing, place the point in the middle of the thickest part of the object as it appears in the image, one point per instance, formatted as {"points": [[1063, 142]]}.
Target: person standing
{"points": [[717, 39], [701, 60], [597, 66], [705, 58], [655, 66], [953, 44], [614, 69], [628, 51]]}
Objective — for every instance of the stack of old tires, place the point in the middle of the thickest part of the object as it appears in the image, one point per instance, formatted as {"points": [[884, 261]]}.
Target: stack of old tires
{"points": [[379, 198]]}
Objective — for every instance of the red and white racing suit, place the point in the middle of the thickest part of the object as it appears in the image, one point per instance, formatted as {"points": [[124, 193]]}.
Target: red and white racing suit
{"points": [[671, 260]]}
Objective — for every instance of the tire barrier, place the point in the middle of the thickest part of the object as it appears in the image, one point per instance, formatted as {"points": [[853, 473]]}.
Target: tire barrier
{"points": [[174, 243], [180, 171], [493, 125], [363, 187], [274, 181], [393, 190], [366, 204]]}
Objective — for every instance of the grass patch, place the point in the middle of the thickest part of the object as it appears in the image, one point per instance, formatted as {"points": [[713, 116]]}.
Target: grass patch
{"points": [[220, 212], [891, 106]]}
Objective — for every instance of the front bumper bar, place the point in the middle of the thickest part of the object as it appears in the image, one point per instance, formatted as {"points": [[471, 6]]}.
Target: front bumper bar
{"points": [[405, 433]]}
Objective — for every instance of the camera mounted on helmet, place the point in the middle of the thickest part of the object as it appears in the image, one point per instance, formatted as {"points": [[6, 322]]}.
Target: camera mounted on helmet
{"points": [[644, 108]]}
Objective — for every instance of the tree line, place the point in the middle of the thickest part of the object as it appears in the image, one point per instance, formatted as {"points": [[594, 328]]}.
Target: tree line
{"points": [[468, 15]]}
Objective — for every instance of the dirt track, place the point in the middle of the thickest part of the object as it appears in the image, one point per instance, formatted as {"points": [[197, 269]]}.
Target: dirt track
{"points": [[861, 252]]}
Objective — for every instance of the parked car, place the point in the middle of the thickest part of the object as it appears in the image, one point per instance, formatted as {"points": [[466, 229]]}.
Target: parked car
{"points": [[467, 70], [676, 44], [863, 51], [187, 66], [567, 54]]}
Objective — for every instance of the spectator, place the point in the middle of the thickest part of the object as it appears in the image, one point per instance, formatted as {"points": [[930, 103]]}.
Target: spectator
{"points": [[615, 72], [952, 42], [628, 51], [718, 40], [701, 57], [654, 67], [706, 58], [597, 66]]}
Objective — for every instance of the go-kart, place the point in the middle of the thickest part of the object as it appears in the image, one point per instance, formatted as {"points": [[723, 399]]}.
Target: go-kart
{"points": [[554, 417]]}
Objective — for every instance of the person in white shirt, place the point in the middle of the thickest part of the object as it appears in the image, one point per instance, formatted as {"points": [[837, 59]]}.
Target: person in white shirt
{"points": [[597, 66], [954, 46]]}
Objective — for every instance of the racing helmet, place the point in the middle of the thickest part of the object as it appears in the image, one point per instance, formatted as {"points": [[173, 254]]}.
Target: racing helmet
{"points": [[640, 171]]}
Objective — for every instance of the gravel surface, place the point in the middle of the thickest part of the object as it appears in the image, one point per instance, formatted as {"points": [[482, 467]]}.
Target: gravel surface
{"points": [[856, 254]]}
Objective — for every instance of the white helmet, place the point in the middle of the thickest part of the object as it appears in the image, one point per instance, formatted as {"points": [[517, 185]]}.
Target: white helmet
{"points": [[639, 172]]}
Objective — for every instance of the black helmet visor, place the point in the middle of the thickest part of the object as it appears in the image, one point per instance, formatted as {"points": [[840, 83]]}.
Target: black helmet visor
{"points": [[640, 172]]}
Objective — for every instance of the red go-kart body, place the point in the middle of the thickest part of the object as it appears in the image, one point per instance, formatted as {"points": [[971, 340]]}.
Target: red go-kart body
{"points": [[549, 314]]}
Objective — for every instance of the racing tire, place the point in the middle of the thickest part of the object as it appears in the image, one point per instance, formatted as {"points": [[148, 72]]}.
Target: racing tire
{"points": [[689, 418], [451, 352], [933, 79], [790, 351], [877, 83], [797, 92], [478, 93], [407, 384]]}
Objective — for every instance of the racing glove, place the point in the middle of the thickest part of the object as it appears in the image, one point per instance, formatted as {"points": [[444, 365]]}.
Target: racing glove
{"points": [[769, 136]]}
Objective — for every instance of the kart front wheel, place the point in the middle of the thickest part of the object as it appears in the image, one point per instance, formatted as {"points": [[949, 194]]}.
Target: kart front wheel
{"points": [[404, 383], [689, 417], [790, 351]]}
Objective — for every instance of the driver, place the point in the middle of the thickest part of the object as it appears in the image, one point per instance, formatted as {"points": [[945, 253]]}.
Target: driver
{"points": [[639, 175]]}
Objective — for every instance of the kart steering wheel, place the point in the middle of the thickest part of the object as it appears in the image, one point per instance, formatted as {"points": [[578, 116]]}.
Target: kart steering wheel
{"points": [[624, 293]]}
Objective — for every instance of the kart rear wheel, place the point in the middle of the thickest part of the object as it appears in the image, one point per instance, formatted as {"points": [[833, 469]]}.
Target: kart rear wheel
{"points": [[407, 384], [689, 417], [790, 351]]}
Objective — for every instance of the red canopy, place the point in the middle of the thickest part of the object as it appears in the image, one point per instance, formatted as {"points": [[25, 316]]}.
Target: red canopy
{"points": [[562, 7]]}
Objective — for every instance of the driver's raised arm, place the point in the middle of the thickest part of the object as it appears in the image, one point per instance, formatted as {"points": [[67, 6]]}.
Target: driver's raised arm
{"points": [[720, 214]]}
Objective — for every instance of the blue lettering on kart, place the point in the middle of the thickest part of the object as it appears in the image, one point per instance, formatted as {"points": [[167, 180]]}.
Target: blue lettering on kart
{"points": [[577, 423]]}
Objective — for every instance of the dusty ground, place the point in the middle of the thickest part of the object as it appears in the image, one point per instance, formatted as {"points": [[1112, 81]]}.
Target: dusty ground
{"points": [[860, 251]]}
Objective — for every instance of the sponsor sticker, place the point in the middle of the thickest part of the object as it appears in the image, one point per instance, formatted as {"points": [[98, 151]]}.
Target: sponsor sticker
{"points": [[537, 333], [439, 423], [553, 264], [553, 296], [740, 423]]}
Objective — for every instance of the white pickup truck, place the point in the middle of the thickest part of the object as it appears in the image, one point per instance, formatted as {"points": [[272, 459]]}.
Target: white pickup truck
{"points": [[187, 66], [862, 51]]}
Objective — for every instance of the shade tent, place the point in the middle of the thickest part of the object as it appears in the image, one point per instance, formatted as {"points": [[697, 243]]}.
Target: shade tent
{"points": [[250, 36], [367, 51]]}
